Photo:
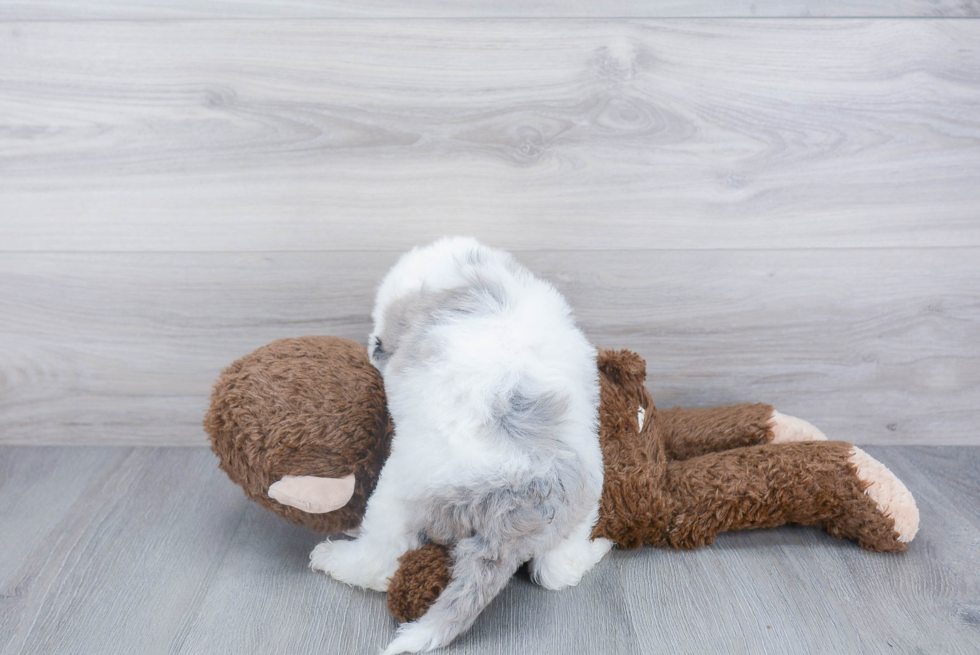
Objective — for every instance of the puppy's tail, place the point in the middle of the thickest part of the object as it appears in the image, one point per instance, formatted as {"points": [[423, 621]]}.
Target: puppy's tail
{"points": [[480, 572]]}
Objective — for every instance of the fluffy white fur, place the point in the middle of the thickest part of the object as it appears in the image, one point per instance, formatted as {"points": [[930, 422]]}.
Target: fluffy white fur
{"points": [[494, 393]]}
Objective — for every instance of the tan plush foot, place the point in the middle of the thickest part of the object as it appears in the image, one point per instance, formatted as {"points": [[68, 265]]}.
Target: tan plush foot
{"points": [[891, 496], [786, 429]]}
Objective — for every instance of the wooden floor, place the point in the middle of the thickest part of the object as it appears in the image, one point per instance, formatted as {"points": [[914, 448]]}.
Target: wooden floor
{"points": [[153, 550]]}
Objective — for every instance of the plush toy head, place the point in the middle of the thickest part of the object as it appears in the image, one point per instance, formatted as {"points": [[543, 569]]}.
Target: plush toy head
{"points": [[303, 419], [302, 426]]}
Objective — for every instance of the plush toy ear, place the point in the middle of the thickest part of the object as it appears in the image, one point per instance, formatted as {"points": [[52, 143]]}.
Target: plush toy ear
{"points": [[312, 494], [622, 364]]}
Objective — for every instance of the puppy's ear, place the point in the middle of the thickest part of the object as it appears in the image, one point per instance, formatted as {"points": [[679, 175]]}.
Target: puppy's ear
{"points": [[622, 365]]}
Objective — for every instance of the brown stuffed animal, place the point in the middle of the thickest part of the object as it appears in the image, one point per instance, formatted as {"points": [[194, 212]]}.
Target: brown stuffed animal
{"points": [[301, 425]]}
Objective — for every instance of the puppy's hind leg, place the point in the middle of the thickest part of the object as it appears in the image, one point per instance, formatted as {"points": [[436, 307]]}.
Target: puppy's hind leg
{"points": [[565, 564]]}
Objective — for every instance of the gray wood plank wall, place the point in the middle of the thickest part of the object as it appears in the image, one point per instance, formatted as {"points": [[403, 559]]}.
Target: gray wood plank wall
{"points": [[782, 209], [182, 9], [366, 135]]}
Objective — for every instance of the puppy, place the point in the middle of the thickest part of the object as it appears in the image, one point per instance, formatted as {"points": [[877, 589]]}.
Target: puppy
{"points": [[494, 392]]}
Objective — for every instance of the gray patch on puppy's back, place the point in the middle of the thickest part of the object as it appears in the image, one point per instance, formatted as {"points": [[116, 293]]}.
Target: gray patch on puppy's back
{"points": [[524, 416], [480, 296]]}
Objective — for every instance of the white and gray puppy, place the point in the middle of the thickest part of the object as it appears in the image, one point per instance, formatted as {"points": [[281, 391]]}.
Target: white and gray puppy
{"points": [[494, 393]]}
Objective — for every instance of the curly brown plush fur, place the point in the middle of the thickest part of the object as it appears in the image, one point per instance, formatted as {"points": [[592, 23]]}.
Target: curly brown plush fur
{"points": [[689, 433], [315, 406], [809, 483], [422, 576], [308, 406]]}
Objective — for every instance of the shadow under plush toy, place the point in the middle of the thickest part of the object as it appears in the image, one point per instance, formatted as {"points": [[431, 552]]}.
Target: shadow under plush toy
{"points": [[302, 426]]}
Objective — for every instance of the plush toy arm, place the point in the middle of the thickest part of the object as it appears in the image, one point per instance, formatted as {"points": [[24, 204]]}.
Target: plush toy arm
{"points": [[422, 575], [694, 432], [827, 483]]}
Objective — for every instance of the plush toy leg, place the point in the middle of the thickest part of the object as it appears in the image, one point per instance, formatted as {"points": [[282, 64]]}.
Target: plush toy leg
{"points": [[827, 483], [693, 432]]}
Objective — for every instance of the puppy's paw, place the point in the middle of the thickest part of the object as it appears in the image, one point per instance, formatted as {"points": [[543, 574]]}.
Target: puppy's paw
{"points": [[334, 559], [565, 565], [787, 429], [346, 561]]}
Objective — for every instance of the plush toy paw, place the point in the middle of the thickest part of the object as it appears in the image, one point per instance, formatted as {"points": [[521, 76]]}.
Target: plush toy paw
{"points": [[787, 429], [891, 497], [353, 563], [565, 565]]}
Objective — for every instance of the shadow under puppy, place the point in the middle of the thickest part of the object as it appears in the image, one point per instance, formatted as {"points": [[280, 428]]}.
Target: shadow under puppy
{"points": [[495, 393]]}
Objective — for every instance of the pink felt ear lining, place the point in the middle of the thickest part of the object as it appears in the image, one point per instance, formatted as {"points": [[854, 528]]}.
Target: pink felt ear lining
{"points": [[312, 494]]}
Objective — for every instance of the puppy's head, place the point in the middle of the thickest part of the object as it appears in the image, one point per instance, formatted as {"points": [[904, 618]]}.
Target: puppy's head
{"points": [[415, 290]]}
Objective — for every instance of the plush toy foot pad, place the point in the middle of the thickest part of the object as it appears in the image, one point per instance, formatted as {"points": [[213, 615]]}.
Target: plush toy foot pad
{"points": [[787, 429], [892, 497]]}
